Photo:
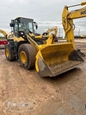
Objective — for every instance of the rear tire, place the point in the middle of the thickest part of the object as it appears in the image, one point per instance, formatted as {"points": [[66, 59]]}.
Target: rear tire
{"points": [[27, 55], [8, 53]]}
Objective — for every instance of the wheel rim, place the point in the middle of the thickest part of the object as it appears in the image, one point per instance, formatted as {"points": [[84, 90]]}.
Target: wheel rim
{"points": [[7, 53], [23, 57]]}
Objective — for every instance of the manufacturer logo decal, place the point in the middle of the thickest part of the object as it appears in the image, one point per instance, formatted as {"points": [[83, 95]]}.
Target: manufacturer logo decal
{"points": [[83, 12]]}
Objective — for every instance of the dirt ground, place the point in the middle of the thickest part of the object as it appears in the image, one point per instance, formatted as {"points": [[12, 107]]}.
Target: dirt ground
{"points": [[24, 92]]}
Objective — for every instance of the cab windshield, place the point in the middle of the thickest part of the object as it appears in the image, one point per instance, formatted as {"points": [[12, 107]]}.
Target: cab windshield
{"points": [[25, 25]]}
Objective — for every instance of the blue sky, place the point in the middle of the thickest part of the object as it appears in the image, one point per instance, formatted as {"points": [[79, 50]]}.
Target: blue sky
{"points": [[46, 12]]}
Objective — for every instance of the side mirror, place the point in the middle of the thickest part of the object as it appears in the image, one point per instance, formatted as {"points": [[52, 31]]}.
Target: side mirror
{"points": [[12, 24], [35, 25]]}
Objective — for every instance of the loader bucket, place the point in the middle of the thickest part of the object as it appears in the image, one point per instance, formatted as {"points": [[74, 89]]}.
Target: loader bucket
{"points": [[56, 59]]}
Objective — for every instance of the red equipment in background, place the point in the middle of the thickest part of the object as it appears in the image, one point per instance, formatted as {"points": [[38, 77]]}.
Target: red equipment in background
{"points": [[3, 42]]}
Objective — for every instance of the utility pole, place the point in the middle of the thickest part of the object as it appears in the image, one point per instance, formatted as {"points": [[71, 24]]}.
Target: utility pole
{"points": [[59, 32], [79, 32]]}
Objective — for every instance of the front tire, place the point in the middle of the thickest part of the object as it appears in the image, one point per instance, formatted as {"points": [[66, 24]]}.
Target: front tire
{"points": [[27, 55]]}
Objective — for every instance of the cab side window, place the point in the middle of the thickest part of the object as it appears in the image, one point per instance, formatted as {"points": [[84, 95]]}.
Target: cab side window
{"points": [[16, 28], [30, 26]]}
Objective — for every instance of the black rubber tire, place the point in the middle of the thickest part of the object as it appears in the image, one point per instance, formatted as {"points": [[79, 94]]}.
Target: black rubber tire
{"points": [[10, 57], [30, 53]]}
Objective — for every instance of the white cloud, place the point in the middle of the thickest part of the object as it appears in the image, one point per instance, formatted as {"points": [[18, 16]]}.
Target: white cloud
{"points": [[15, 1], [45, 12]]}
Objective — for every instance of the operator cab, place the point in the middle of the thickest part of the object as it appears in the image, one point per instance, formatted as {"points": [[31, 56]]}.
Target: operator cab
{"points": [[23, 25]]}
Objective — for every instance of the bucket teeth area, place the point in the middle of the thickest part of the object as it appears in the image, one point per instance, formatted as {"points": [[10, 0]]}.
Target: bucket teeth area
{"points": [[61, 68]]}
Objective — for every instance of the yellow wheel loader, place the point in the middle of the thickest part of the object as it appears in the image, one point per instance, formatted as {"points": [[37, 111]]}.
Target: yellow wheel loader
{"points": [[24, 43], [50, 59]]}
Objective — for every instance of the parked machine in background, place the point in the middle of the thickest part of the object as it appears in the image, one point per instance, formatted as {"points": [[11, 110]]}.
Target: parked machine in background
{"points": [[3, 41], [49, 58]]}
